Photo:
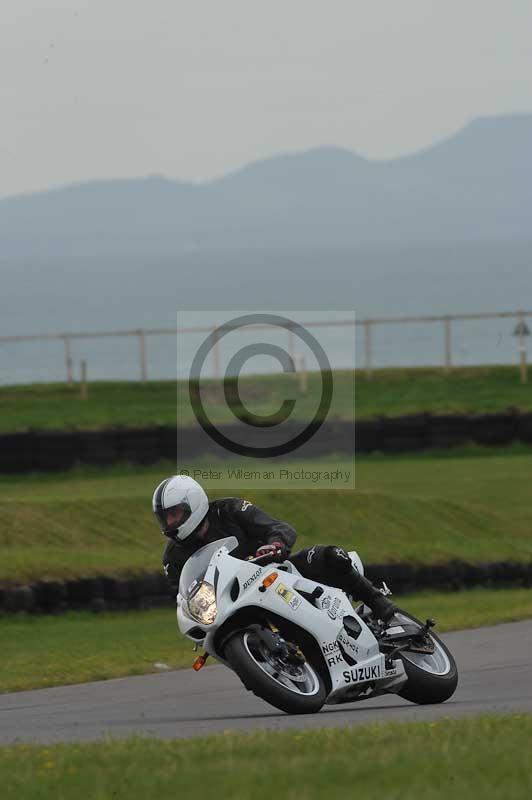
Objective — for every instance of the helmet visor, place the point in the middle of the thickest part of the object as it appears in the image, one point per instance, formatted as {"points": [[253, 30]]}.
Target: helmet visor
{"points": [[171, 519]]}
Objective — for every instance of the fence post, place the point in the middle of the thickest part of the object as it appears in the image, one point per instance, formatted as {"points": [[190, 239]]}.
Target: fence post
{"points": [[142, 355], [84, 389], [523, 331], [291, 348], [302, 375], [68, 359], [216, 354], [447, 334], [367, 348]]}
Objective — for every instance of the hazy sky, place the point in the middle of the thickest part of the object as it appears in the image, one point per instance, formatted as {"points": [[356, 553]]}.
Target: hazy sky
{"points": [[111, 88]]}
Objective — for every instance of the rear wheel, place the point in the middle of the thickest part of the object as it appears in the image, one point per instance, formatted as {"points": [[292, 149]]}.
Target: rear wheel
{"points": [[432, 677], [293, 687]]}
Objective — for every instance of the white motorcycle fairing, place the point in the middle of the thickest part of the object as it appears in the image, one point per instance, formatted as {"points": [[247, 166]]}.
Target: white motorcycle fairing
{"points": [[349, 650]]}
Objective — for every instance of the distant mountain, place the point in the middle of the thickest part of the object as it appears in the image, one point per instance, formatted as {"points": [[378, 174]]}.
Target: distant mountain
{"points": [[474, 186]]}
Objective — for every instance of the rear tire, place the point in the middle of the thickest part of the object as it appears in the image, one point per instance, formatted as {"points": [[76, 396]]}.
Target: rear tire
{"points": [[256, 668], [424, 686]]}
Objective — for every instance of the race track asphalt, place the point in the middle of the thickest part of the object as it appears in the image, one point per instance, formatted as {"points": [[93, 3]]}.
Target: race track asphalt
{"points": [[494, 667]]}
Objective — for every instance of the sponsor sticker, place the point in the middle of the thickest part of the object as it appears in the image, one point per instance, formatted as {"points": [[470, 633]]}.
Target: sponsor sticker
{"points": [[342, 554], [252, 579], [348, 643], [329, 647], [360, 674], [288, 596], [325, 602], [334, 610]]}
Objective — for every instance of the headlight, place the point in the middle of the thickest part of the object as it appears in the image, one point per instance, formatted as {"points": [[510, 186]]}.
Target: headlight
{"points": [[202, 604]]}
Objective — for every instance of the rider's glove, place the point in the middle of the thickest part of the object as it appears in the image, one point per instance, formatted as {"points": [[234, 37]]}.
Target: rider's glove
{"points": [[271, 550]]}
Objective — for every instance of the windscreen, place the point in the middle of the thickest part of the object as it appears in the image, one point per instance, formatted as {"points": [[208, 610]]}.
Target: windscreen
{"points": [[196, 566]]}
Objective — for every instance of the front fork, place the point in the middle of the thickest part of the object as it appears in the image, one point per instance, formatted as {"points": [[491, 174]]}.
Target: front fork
{"points": [[287, 651]]}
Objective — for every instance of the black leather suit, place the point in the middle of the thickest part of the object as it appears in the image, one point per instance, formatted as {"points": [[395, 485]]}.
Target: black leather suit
{"points": [[233, 516]]}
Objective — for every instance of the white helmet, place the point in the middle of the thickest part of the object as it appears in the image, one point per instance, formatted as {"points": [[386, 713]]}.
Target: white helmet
{"points": [[184, 495]]}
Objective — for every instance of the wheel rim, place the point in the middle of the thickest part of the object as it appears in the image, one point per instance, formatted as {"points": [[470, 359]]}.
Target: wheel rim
{"points": [[436, 663], [299, 679]]}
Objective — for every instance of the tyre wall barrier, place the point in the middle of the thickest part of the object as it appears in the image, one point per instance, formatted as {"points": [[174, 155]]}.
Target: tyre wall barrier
{"points": [[16, 452], [95, 594], [44, 450], [448, 430], [494, 429], [99, 448], [152, 590], [404, 434], [524, 428], [55, 450]]}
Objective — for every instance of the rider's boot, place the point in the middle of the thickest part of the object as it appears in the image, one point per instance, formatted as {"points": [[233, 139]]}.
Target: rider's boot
{"points": [[364, 590]]}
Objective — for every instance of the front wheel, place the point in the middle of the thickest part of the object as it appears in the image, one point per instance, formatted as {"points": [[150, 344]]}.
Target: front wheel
{"points": [[296, 688], [432, 677]]}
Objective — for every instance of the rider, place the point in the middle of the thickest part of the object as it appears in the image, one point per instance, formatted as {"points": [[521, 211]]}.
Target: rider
{"points": [[189, 521]]}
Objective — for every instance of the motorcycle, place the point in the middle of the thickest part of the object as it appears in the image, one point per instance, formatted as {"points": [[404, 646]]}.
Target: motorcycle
{"points": [[299, 644]]}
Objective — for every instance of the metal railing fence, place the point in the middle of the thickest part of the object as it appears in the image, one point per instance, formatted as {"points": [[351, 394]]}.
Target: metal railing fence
{"points": [[368, 327]]}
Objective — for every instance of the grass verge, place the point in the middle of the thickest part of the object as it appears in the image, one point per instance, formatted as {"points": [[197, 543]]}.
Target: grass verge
{"points": [[420, 508], [391, 391], [479, 758], [79, 646]]}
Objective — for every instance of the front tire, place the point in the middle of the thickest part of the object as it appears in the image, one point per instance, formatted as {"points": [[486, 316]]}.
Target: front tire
{"points": [[295, 689], [431, 678]]}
